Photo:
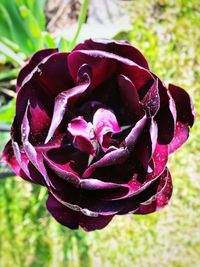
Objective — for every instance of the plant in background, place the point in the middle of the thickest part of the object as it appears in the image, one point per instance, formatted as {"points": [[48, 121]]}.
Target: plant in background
{"points": [[96, 127]]}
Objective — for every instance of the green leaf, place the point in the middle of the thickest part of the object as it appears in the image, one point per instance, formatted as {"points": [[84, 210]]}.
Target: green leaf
{"points": [[10, 54], [7, 112], [10, 44], [63, 44], [81, 21], [9, 74], [49, 41]]}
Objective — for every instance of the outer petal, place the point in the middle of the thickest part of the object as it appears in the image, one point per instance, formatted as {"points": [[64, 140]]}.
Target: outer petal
{"points": [[149, 194], [73, 219], [166, 116], [180, 137], [62, 214], [121, 48], [160, 200], [184, 105], [32, 63], [21, 164]]}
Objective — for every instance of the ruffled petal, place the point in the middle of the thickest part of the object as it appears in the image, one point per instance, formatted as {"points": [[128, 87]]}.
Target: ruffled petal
{"points": [[161, 199], [133, 136], [104, 64], [129, 95], [184, 105], [151, 101], [166, 116], [116, 156], [62, 214], [32, 63], [73, 219], [20, 164], [180, 137], [121, 48], [61, 105]]}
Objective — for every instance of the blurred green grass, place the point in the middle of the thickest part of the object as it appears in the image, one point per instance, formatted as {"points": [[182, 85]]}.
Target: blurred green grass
{"points": [[167, 32]]}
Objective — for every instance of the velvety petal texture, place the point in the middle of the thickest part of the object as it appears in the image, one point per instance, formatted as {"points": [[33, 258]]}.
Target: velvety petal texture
{"points": [[96, 127]]}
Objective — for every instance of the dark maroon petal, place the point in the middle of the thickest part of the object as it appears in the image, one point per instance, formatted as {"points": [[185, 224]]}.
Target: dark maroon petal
{"points": [[40, 106], [132, 204], [129, 95], [153, 135], [114, 157], [67, 174], [105, 124], [121, 48], [32, 63], [180, 137], [9, 157], [166, 116], [53, 74], [147, 143], [61, 104], [62, 214], [135, 133], [160, 200], [95, 184], [160, 158], [184, 105], [151, 101], [103, 65], [73, 219], [34, 157], [18, 161], [68, 159], [40, 112], [86, 202], [94, 223], [83, 133]]}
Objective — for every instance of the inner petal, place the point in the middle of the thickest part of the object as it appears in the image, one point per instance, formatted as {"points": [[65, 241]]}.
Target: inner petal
{"points": [[83, 134], [105, 124]]}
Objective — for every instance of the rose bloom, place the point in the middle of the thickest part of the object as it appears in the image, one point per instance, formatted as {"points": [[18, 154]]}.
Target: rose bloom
{"points": [[95, 127]]}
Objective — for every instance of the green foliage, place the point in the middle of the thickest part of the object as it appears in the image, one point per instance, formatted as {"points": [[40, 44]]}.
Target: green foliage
{"points": [[22, 22], [7, 112]]}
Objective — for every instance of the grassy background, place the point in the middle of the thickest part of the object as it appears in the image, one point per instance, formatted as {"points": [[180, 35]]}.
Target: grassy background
{"points": [[167, 32]]}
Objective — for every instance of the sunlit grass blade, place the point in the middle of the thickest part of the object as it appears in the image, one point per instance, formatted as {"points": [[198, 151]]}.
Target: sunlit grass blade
{"points": [[7, 112], [81, 21], [9, 74], [10, 54]]}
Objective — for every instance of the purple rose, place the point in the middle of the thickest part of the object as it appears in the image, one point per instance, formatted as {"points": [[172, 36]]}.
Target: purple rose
{"points": [[96, 127]]}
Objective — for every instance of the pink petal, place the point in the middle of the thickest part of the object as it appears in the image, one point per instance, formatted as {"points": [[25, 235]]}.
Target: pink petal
{"points": [[83, 134], [105, 124]]}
